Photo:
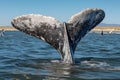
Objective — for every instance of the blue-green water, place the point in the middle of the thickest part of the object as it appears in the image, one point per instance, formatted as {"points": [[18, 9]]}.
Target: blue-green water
{"points": [[24, 57]]}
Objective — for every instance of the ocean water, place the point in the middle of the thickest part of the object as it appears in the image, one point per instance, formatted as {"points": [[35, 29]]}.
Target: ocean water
{"points": [[23, 57]]}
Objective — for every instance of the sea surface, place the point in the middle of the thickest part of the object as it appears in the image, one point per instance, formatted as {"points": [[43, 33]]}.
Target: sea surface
{"points": [[24, 57]]}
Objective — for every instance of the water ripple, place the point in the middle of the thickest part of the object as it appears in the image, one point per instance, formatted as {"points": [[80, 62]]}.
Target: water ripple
{"points": [[24, 57]]}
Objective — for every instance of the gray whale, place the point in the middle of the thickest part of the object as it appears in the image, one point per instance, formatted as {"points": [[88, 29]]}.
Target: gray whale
{"points": [[63, 36]]}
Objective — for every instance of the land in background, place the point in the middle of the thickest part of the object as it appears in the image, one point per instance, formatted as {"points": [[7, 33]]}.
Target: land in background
{"points": [[96, 29]]}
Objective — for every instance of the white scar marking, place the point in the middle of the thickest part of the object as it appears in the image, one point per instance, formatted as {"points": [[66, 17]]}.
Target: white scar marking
{"points": [[42, 38], [57, 39], [44, 30], [51, 38], [36, 19], [60, 34]]}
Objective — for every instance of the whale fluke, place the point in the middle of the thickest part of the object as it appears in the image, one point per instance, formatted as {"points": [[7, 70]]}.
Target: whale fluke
{"points": [[63, 36]]}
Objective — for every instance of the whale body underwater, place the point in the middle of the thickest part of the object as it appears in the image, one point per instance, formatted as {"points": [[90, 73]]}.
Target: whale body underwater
{"points": [[63, 36]]}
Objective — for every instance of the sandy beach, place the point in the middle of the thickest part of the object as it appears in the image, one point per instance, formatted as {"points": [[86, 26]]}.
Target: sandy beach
{"points": [[106, 29], [8, 28], [96, 29]]}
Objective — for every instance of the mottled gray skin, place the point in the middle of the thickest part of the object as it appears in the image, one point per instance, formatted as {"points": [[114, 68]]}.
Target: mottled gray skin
{"points": [[62, 36]]}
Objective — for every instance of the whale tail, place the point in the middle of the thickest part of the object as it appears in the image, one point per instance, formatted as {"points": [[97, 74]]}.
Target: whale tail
{"points": [[62, 36]]}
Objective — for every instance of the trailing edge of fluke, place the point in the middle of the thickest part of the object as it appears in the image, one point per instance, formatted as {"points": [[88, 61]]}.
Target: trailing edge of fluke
{"points": [[63, 36]]}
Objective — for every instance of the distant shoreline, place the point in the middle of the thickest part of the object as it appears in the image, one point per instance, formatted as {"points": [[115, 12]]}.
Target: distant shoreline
{"points": [[96, 29], [106, 29], [8, 28]]}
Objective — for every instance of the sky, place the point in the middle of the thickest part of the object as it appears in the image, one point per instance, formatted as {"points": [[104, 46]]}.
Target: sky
{"points": [[60, 9]]}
